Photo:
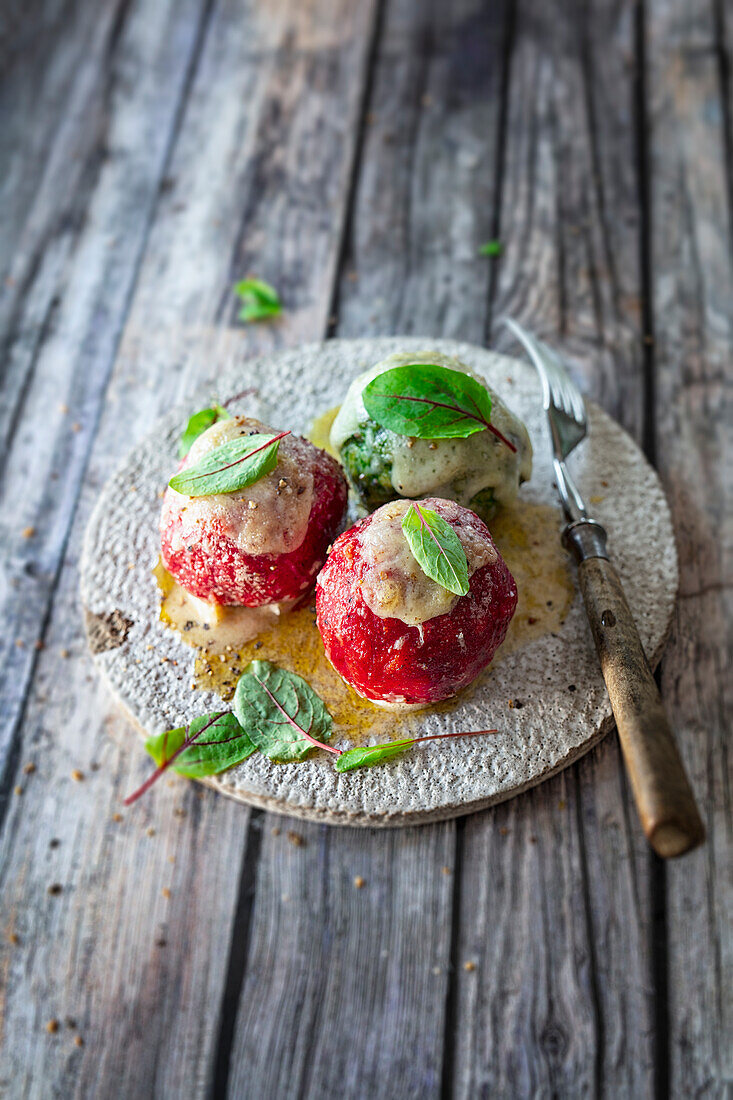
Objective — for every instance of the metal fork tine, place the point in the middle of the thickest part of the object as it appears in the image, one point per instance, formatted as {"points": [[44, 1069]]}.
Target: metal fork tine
{"points": [[557, 386], [566, 394], [561, 397]]}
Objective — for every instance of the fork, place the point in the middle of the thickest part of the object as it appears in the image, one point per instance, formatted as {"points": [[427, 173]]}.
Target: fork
{"points": [[662, 792]]}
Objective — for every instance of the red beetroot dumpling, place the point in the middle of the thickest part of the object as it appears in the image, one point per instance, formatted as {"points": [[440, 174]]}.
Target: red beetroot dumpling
{"points": [[396, 636], [258, 545]]}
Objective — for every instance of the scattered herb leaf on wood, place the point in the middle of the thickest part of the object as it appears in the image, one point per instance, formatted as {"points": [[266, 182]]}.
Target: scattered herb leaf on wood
{"points": [[430, 402], [436, 548], [281, 712], [209, 745], [491, 248], [198, 424], [260, 301], [234, 465], [368, 756]]}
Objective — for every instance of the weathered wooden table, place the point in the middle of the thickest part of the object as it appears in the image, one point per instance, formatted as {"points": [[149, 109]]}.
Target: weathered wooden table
{"points": [[355, 153]]}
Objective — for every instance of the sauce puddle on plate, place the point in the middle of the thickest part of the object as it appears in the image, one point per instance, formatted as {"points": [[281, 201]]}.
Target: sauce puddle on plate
{"points": [[320, 433], [228, 638], [528, 538]]}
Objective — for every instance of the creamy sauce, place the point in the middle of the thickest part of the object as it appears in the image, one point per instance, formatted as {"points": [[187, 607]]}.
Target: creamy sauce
{"points": [[395, 587], [320, 433], [527, 537], [454, 468], [268, 517], [211, 626]]}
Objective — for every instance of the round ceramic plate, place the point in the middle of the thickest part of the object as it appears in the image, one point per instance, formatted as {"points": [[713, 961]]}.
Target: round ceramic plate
{"points": [[564, 708]]}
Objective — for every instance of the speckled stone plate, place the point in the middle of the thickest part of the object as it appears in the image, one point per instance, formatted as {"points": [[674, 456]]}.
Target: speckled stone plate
{"points": [[434, 780]]}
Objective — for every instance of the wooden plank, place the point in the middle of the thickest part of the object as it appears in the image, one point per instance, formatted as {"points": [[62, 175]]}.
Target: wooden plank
{"points": [[261, 191], [428, 175], [53, 78], [151, 1016], [133, 947], [344, 989], [41, 49], [693, 319], [554, 907], [88, 229]]}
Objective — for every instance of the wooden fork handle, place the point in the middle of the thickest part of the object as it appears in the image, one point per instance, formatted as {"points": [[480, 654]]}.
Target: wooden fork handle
{"points": [[662, 791]]}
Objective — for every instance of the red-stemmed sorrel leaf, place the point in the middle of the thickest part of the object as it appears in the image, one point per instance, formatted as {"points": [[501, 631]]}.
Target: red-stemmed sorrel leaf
{"points": [[232, 466], [369, 755], [430, 402], [282, 715], [281, 712], [209, 745], [436, 548]]}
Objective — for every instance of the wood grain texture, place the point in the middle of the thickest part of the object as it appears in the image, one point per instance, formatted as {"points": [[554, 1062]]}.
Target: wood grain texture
{"points": [[119, 949], [345, 984], [86, 229], [42, 46], [344, 989], [426, 189], [692, 270], [151, 1016], [562, 1000], [158, 151]]}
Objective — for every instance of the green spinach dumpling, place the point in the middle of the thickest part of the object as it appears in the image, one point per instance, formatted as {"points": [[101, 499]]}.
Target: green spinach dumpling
{"points": [[479, 471]]}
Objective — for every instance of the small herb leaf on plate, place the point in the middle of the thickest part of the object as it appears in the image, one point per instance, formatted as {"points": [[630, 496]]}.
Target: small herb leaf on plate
{"points": [[368, 756], [436, 548], [430, 402], [260, 301], [281, 712], [491, 248], [209, 745], [198, 424], [234, 465]]}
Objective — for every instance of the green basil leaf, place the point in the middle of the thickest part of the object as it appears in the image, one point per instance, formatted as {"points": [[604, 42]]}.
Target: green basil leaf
{"points": [[436, 548], [428, 401], [491, 248], [210, 745], [233, 465], [260, 301], [281, 713], [198, 424], [370, 755]]}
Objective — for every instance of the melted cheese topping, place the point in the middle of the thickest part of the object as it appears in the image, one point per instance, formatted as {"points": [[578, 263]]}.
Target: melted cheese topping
{"points": [[269, 517], [394, 586], [452, 468]]}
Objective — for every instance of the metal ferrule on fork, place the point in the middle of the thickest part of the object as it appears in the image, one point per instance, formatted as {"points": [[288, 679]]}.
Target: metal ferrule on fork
{"points": [[583, 537]]}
